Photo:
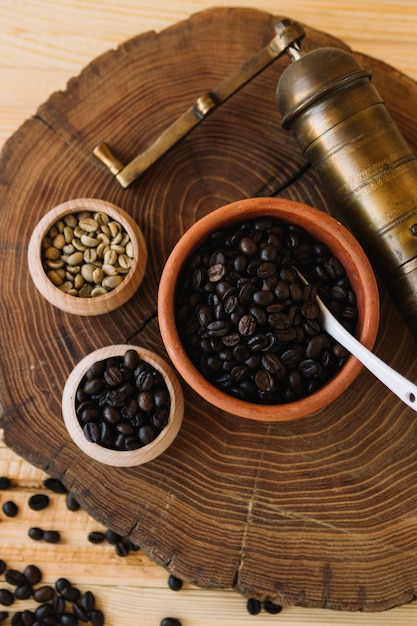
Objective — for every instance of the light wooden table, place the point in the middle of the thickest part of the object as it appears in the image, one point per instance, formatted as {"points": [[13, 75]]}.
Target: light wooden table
{"points": [[43, 43]]}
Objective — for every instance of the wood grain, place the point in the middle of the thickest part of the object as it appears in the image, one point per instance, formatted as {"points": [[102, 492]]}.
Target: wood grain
{"points": [[320, 515]]}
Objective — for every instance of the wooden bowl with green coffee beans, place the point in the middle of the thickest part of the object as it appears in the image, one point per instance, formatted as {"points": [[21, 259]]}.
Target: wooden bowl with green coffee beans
{"points": [[87, 256]]}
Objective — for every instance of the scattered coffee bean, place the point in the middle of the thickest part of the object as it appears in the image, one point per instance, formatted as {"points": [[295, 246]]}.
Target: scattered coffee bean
{"points": [[52, 536], [38, 502], [35, 533], [253, 606], [122, 403], [249, 324], [62, 583], [6, 597], [43, 594], [33, 574], [5, 483], [271, 608], [68, 619], [80, 613], [170, 621], [88, 601], [174, 583], [10, 508], [70, 593], [55, 485], [121, 548], [23, 592], [72, 503], [14, 577], [97, 617], [112, 537], [96, 536], [3, 566], [3, 616]]}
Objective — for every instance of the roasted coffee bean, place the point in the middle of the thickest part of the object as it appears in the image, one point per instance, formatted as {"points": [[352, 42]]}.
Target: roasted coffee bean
{"points": [[112, 537], [6, 597], [96, 536], [97, 617], [80, 613], [10, 508], [35, 533], [23, 592], [309, 368], [14, 577], [3, 616], [131, 359], [38, 502], [55, 485], [70, 593], [58, 605], [51, 536], [92, 432], [113, 377], [88, 601], [43, 594], [170, 621], [33, 574], [174, 583], [62, 583], [247, 325], [271, 608], [71, 502], [248, 247], [314, 346], [253, 606], [3, 566], [5, 483], [68, 619], [45, 614], [121, 549]]}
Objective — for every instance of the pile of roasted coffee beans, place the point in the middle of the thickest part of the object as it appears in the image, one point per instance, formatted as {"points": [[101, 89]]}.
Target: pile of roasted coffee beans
{"points": [[61, 603], [87, 254], [122, 402], [247, 321]]}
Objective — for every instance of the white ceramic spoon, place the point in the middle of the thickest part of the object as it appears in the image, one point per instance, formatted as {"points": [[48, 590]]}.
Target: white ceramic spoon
{"points": [[400, 386]]}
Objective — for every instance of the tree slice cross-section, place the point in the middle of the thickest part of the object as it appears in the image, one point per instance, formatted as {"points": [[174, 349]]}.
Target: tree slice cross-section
{"points": [[319, 512]]}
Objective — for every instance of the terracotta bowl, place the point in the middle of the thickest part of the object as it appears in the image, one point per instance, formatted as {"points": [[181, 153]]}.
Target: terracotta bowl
{"points": [[54, 291], [107, 455], [323, 228]]}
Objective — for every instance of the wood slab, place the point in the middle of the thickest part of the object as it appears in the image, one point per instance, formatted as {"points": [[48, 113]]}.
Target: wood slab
{"points": [[320, 512]]}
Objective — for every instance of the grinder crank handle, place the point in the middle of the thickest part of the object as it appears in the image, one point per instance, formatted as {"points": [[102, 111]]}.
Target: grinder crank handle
{"points": [[288, 34]]}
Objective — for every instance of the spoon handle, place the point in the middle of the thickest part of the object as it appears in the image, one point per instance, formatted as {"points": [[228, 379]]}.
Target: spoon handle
{"points": [[398, 384]]}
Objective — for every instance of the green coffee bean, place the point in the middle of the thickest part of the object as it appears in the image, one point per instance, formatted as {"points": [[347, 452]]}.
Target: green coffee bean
{"points": [[87, 254]]}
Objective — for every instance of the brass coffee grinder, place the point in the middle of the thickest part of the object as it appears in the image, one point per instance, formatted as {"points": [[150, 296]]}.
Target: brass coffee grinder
{"points": [[342, 126]]}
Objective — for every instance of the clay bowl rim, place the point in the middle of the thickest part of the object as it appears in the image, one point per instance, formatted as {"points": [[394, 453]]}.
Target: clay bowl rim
{"points": [[121, 458], [322, 226], [100, 304]]}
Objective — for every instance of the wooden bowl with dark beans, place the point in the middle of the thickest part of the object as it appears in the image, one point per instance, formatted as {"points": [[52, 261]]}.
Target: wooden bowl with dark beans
{"points": [[87, 256], [242, 328], [123, 405]]}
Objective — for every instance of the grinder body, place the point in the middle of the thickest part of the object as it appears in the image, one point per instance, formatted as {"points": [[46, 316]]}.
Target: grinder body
{"points": [[343, 128]]}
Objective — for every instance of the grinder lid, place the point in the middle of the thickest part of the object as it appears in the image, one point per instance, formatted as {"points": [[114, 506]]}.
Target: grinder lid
{"points": [[314, 75]]}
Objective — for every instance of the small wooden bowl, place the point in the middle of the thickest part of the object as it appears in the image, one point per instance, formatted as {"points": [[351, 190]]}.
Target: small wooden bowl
{"points": [[113, 457], [89, 305], [322, 227]]}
